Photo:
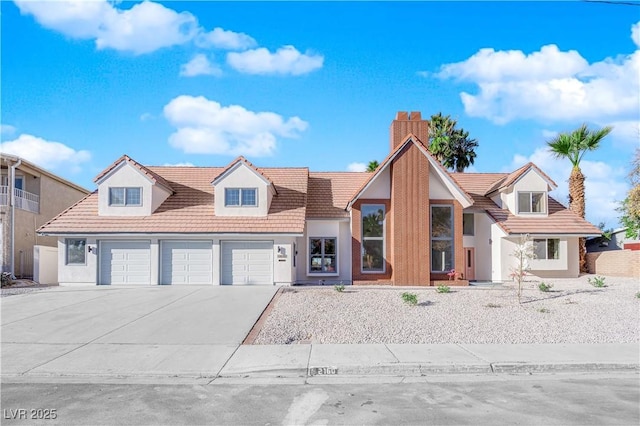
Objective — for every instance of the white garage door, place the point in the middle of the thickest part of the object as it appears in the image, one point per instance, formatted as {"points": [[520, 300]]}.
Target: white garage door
{"points": [[247, 262], [125, 262], [186, 262]]}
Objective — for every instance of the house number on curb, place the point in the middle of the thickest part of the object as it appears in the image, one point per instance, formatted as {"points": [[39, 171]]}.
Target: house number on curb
{"points": [[323, 371]]}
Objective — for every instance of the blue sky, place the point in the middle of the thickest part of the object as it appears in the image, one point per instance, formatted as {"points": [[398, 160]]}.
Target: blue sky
{"points": [[317, 83]]}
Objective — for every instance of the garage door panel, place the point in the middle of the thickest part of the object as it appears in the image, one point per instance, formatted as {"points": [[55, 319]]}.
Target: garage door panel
{"points": [[187, 262], [247, 262], [125, 262]]}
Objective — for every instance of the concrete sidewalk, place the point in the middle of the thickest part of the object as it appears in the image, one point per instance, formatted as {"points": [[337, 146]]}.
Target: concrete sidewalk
{"points": [[425, 359], [205, 363]]}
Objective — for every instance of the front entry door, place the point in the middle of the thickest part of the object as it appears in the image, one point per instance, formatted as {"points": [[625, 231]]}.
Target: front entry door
{"points": [[469, 263]]}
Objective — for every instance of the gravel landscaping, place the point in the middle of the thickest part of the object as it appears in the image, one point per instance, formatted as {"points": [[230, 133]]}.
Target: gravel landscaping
{"points": [[572, 312]]}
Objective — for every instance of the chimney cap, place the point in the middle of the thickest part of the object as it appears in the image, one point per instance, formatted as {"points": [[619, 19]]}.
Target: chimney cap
{"points": [[402, 115], [415, 116]]}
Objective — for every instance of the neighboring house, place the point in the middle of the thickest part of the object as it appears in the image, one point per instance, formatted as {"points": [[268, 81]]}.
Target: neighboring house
{"points": [[29, 197], [616, 241], [408, 223]]}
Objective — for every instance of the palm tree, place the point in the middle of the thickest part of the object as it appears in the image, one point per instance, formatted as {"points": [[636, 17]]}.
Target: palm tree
{"points": [[372, 166], [441, 129], [450, 146], [574, 146], [462, 153]]}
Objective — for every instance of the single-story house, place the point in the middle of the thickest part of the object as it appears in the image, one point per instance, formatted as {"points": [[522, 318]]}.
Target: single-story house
{"points": [[408, 223]]}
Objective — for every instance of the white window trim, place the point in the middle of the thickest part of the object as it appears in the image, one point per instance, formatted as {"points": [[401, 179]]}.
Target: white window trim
{"points": [[240, 205], [125, 196], [337, 255], [383, 239], [545, 206], [452, 238], [66, 252]]}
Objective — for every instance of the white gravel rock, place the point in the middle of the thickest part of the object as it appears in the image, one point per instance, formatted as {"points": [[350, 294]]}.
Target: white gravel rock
{"points": [[573, 312]]}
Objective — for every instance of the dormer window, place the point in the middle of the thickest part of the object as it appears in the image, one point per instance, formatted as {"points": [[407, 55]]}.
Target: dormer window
{"points": [[241, 197], [532, 202], [121, 196]]}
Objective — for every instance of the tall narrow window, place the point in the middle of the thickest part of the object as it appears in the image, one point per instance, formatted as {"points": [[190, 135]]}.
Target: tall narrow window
{"points": [[531, 202], [373, 238], [76, 253], [323, 256], [441, 238], [467, 224]]}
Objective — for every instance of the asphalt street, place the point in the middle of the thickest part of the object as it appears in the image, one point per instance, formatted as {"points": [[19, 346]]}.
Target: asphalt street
{"points": [[579, 399]]}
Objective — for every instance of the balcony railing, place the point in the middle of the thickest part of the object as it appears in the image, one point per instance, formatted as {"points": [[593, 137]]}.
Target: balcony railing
{"points": [[24, 200]]}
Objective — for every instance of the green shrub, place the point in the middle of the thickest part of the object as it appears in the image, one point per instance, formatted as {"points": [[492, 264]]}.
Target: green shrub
{"points": [[339, 288], [443, 289], [544, 287], [492, 305], [597, 281], [638, 295], [544, 310], [410, 298]]}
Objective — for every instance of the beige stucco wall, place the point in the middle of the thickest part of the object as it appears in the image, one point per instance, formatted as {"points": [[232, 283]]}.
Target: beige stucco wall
{"points": [[326, 229], [380, 187], [530, 181], [55, 197]]}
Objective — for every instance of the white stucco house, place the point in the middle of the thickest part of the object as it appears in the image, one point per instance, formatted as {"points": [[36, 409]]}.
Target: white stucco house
{"points": [[408, 223]]}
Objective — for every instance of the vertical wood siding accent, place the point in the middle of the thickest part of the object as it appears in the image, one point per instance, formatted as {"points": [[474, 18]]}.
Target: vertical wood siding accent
{"points": [[410, 205]]}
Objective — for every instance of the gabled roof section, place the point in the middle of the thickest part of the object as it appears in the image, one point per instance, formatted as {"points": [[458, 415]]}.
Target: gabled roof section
{"points": [[515, 176], [152, 176], [237, 163], [457, 191], [559, 221], [32, 167]]}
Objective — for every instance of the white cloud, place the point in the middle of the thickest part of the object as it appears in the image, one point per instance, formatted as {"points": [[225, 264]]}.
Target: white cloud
{"points": [[199, 65], [144, 28], [549, 134], [286, 60], [605, 186], [635, 34], [46, 154], [550, 85], [146, 116], [626, 133], [224, 39], [7, 129], [206, 127], [357, 167]]}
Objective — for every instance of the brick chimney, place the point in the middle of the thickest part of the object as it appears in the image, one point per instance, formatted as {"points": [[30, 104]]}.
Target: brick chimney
{"points": [[406, 123]]}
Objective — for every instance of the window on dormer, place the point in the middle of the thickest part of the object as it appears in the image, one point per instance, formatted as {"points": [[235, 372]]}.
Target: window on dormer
{"points": [[240, 197], [532, 202], [121, 196]]}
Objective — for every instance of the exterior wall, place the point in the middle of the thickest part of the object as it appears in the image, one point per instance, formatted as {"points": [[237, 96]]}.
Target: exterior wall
{"points": [[480, 241], [530, 181], [127, 175], [87, 274], [500, 248], [410, 214], [339, 229], [360, 277], [55, 197], [437, 189], [45, 264], [242, 177], [619, 263], [380, 188]]}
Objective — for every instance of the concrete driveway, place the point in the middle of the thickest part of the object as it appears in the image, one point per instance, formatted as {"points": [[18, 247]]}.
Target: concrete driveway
{"points": [[122, 331]]}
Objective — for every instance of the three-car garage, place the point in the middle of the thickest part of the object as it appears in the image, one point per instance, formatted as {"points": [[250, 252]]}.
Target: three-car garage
{"points": [[190, 262]]}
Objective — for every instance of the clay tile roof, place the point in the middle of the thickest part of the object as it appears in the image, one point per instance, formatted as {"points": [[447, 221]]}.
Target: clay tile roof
{"points": [[191, 208], [330, 192], [155, 178]]}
